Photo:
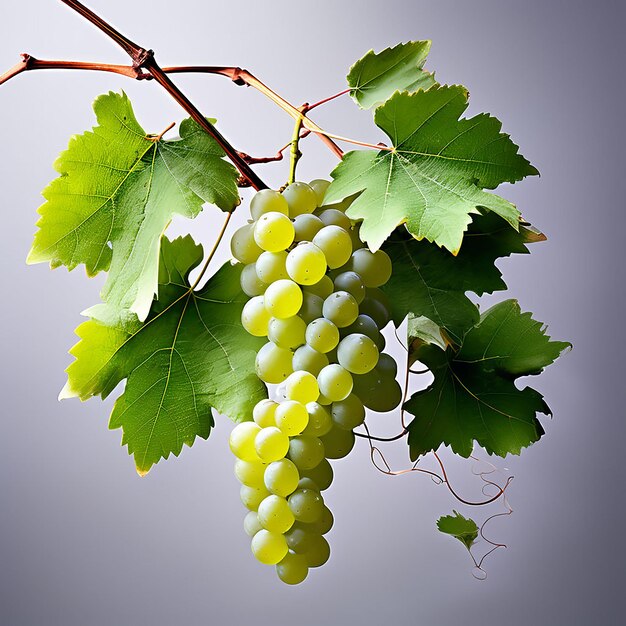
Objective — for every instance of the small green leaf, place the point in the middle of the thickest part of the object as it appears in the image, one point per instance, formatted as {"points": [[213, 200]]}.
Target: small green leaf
{"points": [[117, 192], [433, 178], [421, 330], [189, 356], [473, 396], [463, 528], [375, 77]]}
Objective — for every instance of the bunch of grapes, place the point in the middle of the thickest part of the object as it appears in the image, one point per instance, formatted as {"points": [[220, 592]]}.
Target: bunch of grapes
{"points": [[315, 294]]}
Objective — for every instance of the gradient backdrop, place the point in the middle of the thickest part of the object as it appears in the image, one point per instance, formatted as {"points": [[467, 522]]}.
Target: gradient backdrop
{"points": [[84, 541]]}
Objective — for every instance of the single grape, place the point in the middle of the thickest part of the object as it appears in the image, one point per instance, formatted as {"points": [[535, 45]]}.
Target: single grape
{"points": [[319, 186], [309, 360], [321, 474], [340, 308], [336, 245], [268, 201], [335, 382], [293, 569], [377, 310], [324, 400], [271, 444], [352, 283], [291, 417], [335, 217], [298, 538], [251, 497], [263, 413], [349, 413], [387, 366], [306, 264], [241, 441], [251, 524], [243, 246], [305, 451], [254, 316], [250, 283], [307, 226], [377, 391], [302, 386], [365, 325], [271, 266], [318, 552], [268, 547], [288, 332], [301, 198], [322, 335], [283, 298], [323, 525], [275, 514], [250, 472], [306, 505], [311, 307], [273, 364], [307, 483], [281, 477], [373, 267], [320, 421], [357, 353], [274, 232], [323, 288], [338, 442]]}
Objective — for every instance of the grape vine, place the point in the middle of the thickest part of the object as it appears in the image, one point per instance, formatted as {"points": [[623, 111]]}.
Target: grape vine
{"points": [[285, 340]]}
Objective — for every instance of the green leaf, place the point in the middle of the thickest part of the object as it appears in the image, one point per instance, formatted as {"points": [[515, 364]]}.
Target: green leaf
{"points": [[117, 192], [463, 528], [473, 396], [375, 77], [433, 177], [190, 355], [421, 330]]}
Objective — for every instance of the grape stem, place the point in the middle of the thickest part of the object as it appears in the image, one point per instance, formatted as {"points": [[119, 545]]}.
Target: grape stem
{"points": [[220, 236], [295, 152]]}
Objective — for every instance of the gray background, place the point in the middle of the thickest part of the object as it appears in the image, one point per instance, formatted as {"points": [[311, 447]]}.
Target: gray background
{"points": [[84, 541]]}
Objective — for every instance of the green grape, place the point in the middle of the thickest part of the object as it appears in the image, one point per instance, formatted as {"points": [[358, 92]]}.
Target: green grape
{"points": [[320, 421], [271, 444], [243, 246], [293, 569], [352, 283], [365, 325], [306, 505], [338, 443], [274, 232], [318, 552], [263, 413], [241, 441], [273, 364], [357, 353], [321, 474], [250, 472], [299, 538], [251, 497], [275, 515], [302, 386], [306, 264], [377, 391], [254, 316], [271, 266], [291, 417], [340, 308], [305, 451], [335, 217], [377, 310], [283, 298], [307, 483], [336, 245], [319, 186], [323, 525], [288, 332], [323, 288], [268, 201], [281, 477], [307, 359], [387, 366], [335, 382], [349, 413], [373, 267], [307, 226], [250, 283], [251, 524], [311, 307], [268, 547], [324, 401], [322, 335], [301, 198]]}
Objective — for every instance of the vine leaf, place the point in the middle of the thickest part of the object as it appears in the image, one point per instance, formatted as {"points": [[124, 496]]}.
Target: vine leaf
{"points": [[433, 178], [422, 330], [430, 282], [473, 395], [374, 77], [190, 355], [118, 190], [463, 528]]}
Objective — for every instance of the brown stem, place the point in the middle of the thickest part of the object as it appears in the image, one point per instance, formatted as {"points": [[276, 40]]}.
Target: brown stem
{"points": [[329, 99]]}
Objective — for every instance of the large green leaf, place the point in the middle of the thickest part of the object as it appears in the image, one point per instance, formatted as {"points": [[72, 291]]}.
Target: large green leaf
{"points": [[473, 396], [433, 178], [462, 528], [190, 355], [373, 78], [118, 190]]}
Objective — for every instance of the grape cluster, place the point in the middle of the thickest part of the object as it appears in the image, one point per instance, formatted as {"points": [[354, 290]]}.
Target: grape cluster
{"points": [[314, 293]]}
